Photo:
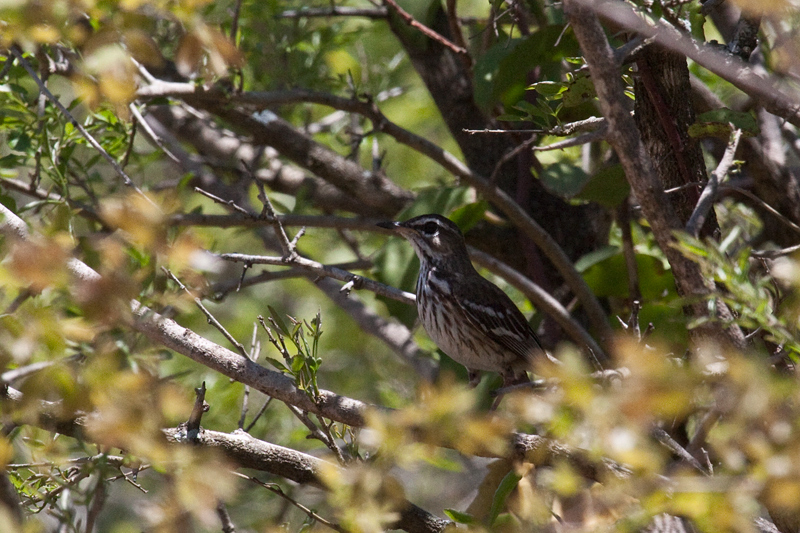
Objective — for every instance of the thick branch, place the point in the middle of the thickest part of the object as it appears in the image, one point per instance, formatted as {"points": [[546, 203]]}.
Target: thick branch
{"points": [[299, 467], [623, 136]]}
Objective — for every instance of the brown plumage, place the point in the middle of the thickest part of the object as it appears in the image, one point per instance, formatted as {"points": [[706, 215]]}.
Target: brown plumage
{"points": [[467, 316]]}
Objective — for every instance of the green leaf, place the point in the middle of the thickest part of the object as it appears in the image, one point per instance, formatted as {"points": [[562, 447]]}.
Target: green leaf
{"points": [[506, 487], [277, 364], [526, 107], [579, 91], [548, 88], [505, 117], [278, 320], [596, 256], [467, 216], [298, 363], [460, 517], [717, 123], [608, 187], [564, 179], [501, 74]]}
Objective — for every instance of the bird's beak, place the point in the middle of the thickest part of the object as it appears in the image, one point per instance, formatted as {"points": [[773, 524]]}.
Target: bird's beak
{"points": [[388, 225]]}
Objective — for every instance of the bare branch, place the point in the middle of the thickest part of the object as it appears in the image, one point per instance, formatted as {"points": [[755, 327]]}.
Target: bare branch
{"points": [[709, 194], [335, 11], [431, 34], [326, 271]]}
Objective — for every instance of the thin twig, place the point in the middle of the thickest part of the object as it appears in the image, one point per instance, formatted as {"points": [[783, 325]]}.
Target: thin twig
{"points": [[254, 349], [772, 254], [152, 134], [209, 317], [664, 438], [258, 414], [230, 203], [765, 206], [511, 154], [235, 20], [268, 212], [225, 518], [597, 135], [561, 130], [317, 433], [438, 37], [324, 271], [335, 11], [272, 487]]}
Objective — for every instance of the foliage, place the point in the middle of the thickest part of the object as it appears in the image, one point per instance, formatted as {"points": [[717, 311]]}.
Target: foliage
{"points": [[116, 303]]}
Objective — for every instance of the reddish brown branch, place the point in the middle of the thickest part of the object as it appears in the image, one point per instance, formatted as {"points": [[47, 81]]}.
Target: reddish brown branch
{"points": [[431, 34]]}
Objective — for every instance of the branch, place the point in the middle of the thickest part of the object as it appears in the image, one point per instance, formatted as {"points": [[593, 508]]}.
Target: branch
{"points": [[335, 11], [709, 194], [766, 90], [370, 188], [302, 468], [431, 34], [326, 271]]}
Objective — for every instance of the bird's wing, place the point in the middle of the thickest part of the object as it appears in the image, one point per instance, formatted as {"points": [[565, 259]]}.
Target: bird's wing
{"points": [[492, 312]]}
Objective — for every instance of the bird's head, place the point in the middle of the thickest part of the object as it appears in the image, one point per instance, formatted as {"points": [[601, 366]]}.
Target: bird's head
{"points": [[434, 238]]}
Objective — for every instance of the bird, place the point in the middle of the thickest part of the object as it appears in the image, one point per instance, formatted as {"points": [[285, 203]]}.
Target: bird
{"points": [[468, 317]]}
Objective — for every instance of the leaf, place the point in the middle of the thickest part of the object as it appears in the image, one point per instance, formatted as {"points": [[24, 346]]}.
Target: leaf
{"points": [[548, 88], [505, 117], [501, 74], [717, 123], [564, 179], [460, 517], [579, 91], [608, 187], [502, 493], [278, 320], [467, 216], [298, 362], [596, 256], [277, 364]]}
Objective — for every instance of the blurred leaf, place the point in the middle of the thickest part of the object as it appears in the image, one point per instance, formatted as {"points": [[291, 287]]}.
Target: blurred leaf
{"points": [[459, 517], [548, 88], [501, 495], [278, 320], [579, 91], [501, 73], [608, 187], [717, 123], [564, 179], [467, 216]]}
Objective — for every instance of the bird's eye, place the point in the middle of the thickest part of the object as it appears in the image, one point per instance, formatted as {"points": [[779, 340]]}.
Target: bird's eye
{"points": [[430, 228]]}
